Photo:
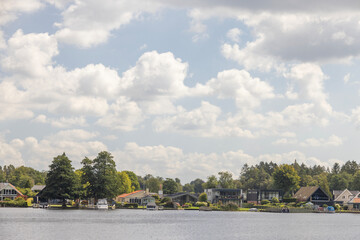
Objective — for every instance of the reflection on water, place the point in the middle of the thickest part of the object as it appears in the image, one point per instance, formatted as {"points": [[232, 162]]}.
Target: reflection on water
{"points": [[17, 223]]}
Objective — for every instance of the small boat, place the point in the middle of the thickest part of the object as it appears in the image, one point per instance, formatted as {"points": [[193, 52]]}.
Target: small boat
{"points": [[102, 204], [151, 206]]}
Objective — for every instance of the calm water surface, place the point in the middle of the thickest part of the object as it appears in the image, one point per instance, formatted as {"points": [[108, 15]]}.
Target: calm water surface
{"points": [[17, 223]]}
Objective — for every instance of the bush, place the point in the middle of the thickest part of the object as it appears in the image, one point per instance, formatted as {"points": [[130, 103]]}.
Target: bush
{"points": [[200, 204], [7, 199], [166, 200], [203, 197], [346, 207], [230, 207], [156, 196], [337, 207], [325, 206], [275, 200], [289, 200], [248, 205], [131, 205], [168, 205], [187, 205], [265, 202]]}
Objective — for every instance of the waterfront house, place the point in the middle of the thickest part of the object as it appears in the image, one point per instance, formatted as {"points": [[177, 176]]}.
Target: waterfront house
{"points": [[7, 190], [224, 195], [182, 197], [141, 197], [313, 194], [354, 203], [344, 196], [37, 188], [257, 195]]}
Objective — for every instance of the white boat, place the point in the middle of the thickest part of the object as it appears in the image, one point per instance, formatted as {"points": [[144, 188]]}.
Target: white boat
{"points": [[151, 206], [102, 204]]}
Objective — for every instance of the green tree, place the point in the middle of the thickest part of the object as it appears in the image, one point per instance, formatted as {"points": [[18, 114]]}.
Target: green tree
{"points": [[188, 188], [203, 197], [105, 182], [124, 182], [336, 168], [60, 181], [170, 186], [355, 185], [198, 185], [153, 184], [286, 178], [211, 182], [134, 180], [226, 180], [351, 167], [340, 181]]}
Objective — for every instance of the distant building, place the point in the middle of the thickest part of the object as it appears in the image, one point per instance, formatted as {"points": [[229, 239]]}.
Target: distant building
{"points": [[344, 196], [313, 194], [257, 195], [354, 203], [38, 188], [182, 197], [140, 197], [7, 190], [224, 195]]}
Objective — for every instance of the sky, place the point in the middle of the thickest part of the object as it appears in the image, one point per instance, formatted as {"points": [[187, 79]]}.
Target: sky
{"points": [[179, 88]]}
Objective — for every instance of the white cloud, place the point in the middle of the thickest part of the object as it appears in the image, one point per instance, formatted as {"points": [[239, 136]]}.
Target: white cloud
{"points": [[247, 91], [29, 54], [347, 78], [310, 80], [234, 34], [332, 141], [80, 27], [10, 9], [123, 115], [61, 122], [173, 162]]}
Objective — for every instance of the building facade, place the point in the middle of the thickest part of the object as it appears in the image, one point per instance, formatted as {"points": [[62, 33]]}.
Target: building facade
{"points": [[257, 195], [7, 190], [224, 195]]}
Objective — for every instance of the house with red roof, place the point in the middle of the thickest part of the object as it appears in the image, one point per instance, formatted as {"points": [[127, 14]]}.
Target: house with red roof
{"points": [[140, 197], [7, 190]]}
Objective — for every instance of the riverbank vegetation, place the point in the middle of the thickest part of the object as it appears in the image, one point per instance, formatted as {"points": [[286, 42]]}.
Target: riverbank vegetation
{"points": [[99, 178]]}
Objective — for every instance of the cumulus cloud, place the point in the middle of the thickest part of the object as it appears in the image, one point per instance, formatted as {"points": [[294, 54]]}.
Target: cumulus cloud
{"points": [[333, 141], [10, 9], [310, 80], [234, 34], [168, 161], [247, 91], [80, 27]]}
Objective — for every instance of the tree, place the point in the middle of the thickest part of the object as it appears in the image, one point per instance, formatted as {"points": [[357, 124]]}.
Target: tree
{"points": [[355, 185], [211, 182], [188, 188], [350, 167], [226, 180], [124, 183], [134, 180], [170, 186], [203, 197], [101, 175], [336, 168], [198, 185], [60, 181], [153, 184], [286, 178], [340, 181]]}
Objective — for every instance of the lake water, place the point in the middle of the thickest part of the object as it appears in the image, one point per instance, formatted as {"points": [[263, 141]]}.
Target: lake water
{"points": [[18, 223]]}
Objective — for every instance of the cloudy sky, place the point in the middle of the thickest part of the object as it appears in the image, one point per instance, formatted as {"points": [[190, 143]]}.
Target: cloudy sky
{"points": [[179, 88]]}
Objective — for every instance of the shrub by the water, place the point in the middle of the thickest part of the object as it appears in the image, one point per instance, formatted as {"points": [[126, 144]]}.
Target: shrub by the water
{"points": [[275, 200], [264, 202], [230, 207], [200, 204]]}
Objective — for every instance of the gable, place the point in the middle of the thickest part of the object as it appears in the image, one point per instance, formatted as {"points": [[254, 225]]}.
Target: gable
{"points": [[345, 196]]}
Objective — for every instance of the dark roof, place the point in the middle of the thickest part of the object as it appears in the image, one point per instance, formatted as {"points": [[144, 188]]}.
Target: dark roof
{"points": [[179, 194], [304, 193], [38, 187]]}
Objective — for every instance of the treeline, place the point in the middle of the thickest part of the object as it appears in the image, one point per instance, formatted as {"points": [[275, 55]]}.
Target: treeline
{"points": [[99, 178]]}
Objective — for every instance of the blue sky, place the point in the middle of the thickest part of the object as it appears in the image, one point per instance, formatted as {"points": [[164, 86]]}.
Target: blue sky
{"points": [[179, 88]]}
